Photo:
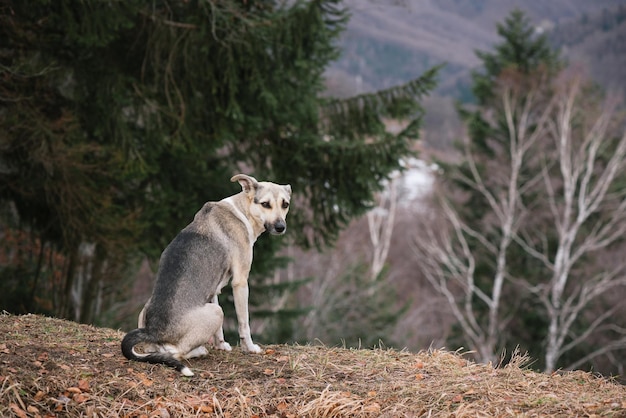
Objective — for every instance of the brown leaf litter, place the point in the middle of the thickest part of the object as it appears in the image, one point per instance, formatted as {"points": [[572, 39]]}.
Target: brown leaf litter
{"points": [[52, 368]]}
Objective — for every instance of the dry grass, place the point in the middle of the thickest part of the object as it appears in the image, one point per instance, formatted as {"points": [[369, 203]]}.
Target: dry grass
{"points": [[50, 367]]}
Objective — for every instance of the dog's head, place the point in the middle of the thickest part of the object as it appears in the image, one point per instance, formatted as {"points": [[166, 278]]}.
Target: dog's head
{"points": [[269, 202]]}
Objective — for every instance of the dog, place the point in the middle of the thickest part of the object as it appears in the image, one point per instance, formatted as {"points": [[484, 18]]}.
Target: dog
{"points": [[183, 314]]}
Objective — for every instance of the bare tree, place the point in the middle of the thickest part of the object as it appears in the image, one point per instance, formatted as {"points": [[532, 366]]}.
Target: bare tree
{"points": [[588, 211], [448, 259], [572, 169], [380, 222]]}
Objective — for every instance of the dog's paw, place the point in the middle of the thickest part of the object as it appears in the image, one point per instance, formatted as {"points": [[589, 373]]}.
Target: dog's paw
{"points": [[197, 352], [186, 371], [224, 346], [252, 348]]}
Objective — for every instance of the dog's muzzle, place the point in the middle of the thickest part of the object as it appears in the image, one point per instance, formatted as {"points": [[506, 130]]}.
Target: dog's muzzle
{"points": [[277, 228]]}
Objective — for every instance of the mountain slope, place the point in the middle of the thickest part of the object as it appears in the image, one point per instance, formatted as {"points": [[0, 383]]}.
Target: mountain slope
{"points": [[389, 43]]}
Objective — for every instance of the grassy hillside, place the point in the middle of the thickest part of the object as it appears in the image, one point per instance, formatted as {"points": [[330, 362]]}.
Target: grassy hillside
{"points": [[50, 367]]}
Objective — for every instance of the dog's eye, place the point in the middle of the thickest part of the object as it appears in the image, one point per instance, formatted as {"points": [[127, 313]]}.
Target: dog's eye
{"points": [[285, 205], [266, 205]]}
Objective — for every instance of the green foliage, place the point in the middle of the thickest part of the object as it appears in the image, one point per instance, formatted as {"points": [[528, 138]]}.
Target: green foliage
{"points": [[521, 50], [118, 120]]}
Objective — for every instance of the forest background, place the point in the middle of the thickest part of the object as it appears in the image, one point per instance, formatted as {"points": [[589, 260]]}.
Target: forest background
{"points": [[100, 168]]}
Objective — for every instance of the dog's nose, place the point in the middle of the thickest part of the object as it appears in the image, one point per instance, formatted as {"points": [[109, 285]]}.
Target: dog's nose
{"points": [[280, 227]]}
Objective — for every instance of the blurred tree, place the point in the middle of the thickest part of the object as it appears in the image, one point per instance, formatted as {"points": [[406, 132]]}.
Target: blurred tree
{"points": [[119, 119], [522, 50], [355, 309], [487, 182], [533, 213]]}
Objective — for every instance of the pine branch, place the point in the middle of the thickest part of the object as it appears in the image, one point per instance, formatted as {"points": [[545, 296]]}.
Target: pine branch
{"points": [[398, 101]]}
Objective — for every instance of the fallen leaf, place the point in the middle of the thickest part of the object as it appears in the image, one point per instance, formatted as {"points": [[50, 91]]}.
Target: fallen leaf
{"points": [[457, 398], [268, 372], [43, 357], [32, 409], [80, 398], [281, 406], [419, 364], [83, 385], [18, 411], [281, 380], [282, 358], [73, 390], [270, 351], [419, 376], [371, 393], [39, 396], [108, 355]]}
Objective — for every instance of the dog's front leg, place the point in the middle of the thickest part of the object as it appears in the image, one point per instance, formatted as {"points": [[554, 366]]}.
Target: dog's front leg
{"points": [[220, 344], [240, 294]]}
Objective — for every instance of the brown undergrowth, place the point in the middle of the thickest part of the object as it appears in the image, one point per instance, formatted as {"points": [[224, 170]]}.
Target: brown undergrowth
{"points": [[53, 368]]}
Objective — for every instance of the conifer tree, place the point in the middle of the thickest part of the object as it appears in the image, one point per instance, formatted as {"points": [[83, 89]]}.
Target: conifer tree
{"points": [[120, 119]]}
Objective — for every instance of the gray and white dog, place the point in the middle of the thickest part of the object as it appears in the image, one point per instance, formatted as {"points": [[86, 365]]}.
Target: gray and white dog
{"points": [[183, 313]]}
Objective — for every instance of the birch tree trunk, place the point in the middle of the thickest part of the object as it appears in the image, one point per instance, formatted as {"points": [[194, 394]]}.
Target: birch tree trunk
{"points": [[380, 222], [449, 259], [588, 213]]}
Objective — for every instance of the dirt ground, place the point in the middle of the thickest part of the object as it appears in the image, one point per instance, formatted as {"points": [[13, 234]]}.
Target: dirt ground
{"points": [[54, 368]]}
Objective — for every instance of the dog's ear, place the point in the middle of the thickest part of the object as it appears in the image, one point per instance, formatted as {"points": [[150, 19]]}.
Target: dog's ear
{"points": [[287, 187], [248, 183]]}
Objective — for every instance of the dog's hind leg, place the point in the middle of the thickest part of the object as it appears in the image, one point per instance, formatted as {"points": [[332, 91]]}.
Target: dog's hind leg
{"points": [[202, 323]]}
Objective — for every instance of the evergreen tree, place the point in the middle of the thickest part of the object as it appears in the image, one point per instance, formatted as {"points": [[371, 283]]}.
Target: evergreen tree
{"points": [[522, 50], [118, 120]]}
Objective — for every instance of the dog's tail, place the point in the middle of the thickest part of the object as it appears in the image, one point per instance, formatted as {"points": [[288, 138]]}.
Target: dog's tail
{"points": [[141, 336]]}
